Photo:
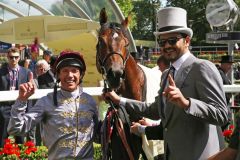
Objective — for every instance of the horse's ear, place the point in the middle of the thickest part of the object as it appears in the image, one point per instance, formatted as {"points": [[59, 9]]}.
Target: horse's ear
{"points": [[103, 16], [126, 21]]}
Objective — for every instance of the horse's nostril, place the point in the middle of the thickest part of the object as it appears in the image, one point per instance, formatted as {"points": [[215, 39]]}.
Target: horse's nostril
{"points": [[114, 78], [115, 73]]}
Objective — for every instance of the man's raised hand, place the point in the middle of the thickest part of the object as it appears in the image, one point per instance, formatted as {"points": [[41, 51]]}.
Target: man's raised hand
{"points": [[174, 95]]}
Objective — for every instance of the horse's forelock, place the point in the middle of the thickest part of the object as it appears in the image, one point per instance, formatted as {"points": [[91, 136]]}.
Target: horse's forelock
{"points": [[114, 26]]}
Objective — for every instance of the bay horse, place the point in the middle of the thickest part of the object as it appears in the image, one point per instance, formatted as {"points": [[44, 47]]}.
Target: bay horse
{"points": [[122, 74]]}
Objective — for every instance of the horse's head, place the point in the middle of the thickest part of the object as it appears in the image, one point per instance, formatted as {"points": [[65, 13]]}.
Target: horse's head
{"points": [[112, 53]]}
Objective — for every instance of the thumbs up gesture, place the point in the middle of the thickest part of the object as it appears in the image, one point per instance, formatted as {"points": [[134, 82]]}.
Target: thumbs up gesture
{"points": [[27, 89], [174, 95]]}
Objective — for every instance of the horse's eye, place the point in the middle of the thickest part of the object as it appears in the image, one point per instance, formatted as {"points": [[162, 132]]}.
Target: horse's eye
{"points": [[118, 28], [101, 42]]}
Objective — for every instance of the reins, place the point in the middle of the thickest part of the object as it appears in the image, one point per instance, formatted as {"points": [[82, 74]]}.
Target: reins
{"points": [[113, 119]]}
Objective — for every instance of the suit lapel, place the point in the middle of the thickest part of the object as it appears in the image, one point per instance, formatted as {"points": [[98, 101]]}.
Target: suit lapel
{"points": [[179, 79], [184, 70]]}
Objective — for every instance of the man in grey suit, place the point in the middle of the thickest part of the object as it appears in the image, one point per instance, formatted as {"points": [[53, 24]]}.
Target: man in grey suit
{"points": [[11, 76], [191, 101]]}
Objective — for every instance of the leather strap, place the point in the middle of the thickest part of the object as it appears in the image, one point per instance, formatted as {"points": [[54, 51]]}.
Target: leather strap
{"points": [[121, 132]]}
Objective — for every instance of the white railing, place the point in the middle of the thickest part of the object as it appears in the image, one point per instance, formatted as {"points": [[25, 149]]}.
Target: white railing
{"points": [[12, 95], [232, 88], [94, 91]]}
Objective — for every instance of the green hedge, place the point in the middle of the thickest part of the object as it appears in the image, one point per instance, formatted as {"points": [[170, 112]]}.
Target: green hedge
{"points": [[97, 151]]}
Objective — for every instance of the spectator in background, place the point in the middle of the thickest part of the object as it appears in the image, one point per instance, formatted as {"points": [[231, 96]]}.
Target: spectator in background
{"points": [[42, 67], [224, 68], [11, 76], [148, 54], [141, 52], [27, 52], [47, 80], [47, 56], [52, 61], [34, 56], [237, 71], [26, 63]]}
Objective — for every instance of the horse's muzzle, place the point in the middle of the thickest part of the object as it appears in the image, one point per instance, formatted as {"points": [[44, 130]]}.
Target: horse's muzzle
{"points": [[115, 77]]}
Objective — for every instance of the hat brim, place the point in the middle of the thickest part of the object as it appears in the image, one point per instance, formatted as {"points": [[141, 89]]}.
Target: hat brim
{"points": [[226, 61], [69, 62], [187, 31]]}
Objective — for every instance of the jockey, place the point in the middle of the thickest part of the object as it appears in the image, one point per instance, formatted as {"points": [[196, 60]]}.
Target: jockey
{"points": [[68, 117]]}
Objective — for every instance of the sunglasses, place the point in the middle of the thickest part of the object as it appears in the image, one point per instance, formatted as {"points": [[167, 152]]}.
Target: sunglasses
{"points": [[172, 41], [13, 57]]}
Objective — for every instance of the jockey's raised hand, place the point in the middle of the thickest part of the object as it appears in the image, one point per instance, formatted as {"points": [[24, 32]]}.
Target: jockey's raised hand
{"points": [[27, 89]]}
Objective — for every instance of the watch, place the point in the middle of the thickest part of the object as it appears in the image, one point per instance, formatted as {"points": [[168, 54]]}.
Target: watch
{"points": [[221, 12]]}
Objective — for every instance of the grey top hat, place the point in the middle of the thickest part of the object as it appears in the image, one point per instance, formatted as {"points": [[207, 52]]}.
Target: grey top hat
{"points": [[172, 19]]}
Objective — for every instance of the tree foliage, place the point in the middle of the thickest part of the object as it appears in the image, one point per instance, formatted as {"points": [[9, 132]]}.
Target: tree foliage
{"points": [[146, 19], [127, 8]]}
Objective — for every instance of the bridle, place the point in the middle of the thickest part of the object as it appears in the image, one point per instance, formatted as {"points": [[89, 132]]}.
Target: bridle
{"points": [[113, 115], [101, 62]]}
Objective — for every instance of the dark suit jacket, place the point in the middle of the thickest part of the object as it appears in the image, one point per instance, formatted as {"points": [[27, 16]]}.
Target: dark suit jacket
{"points": [[23, 77], [194, 133], [154, 132], [4, 77], [226, 81], [46, 80]]}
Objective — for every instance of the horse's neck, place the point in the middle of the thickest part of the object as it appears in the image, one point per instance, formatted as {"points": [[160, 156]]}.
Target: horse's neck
{"points": [[142, 82], [134, 83], [132, 67]]}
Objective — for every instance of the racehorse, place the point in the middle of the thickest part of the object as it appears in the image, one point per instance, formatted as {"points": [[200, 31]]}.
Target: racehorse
{"points": [[122, 74]]}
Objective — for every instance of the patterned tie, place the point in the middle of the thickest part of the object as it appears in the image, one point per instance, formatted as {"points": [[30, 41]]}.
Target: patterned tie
{"points": [[171, 71], [14, 78]]}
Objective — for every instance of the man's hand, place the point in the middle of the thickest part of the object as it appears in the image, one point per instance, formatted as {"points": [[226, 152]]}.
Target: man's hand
{"points": [[134, 128], [27, 89], [112, 96], [174, 95], [148, 122]]}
